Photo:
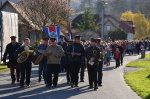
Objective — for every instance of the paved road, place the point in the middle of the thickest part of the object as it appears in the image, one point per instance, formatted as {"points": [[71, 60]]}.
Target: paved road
{"points": [[114, 86]]}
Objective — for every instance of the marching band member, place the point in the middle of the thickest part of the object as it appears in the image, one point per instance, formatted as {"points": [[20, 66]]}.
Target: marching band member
{"points": [[76, 51], [10, 50], [54, 53], [43, 63], [68, 62], [92, 54], [63, 59], [25, 66], [100, 67]]}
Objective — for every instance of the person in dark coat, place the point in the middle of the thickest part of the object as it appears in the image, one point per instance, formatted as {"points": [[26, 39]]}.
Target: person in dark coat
{"points": [[10, 50], [43, 64], [121, 49], [138, 47], [25, 67], [76, 51], [93, 55], [69, 42], [63, 44]]}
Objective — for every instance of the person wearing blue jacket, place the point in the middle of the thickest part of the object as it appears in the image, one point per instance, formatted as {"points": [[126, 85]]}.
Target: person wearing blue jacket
{"points": [[25, 67]]}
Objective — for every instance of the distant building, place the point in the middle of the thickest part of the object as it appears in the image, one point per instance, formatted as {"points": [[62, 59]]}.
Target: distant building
{"points": [[110, 24]]}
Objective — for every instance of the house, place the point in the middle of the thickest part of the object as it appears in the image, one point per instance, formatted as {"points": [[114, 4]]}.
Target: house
{"points": [[25, 26], [110, 24]]}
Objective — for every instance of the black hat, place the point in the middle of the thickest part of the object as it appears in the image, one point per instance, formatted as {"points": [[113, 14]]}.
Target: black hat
{"points": [[52, 39], [77, 36], [46, 38], [13, 37], [70, 41], [98, 39], [93, 40]]}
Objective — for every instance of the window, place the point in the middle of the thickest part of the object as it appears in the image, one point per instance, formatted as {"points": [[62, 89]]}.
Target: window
{"points": [[108, 28]]}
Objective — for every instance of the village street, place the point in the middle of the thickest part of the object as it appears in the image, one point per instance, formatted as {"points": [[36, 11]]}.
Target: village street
{"points": [[114, 86]]}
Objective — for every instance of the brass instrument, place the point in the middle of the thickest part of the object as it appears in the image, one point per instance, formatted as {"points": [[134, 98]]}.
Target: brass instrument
{"points": [[23, 56], [37, 58]]}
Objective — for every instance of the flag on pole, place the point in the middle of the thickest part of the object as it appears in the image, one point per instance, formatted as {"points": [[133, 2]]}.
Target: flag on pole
{"points": [[69, 32], [53, 32]]}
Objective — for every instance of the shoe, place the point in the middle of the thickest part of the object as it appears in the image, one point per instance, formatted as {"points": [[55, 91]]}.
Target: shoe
{"points": [[72, 85], [76, 86], [90, 87], [82, 81], [48, 85], [21, 86], [39, 80], [12, 82], [28, 85], [95, 87], [55, 85], [99, 84]]}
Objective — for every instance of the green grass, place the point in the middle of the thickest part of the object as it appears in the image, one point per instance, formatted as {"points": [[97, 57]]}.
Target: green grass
{"points": [[147, 56], [140, 63], [3, 68], [140, 82]]}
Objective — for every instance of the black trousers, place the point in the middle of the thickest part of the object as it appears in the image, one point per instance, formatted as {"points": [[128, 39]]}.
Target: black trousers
{"points": [[14, 74], [68, 72], [121, 58], [25, 72], [92, 73], [63, 63], [52, 69], [82, 71], [74, 71], [100, 73], [117, 62]]}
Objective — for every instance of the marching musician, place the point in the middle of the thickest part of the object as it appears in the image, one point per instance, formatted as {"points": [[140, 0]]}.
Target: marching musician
{"points": [[54, 54], [100, 66], [69, 42], [25, 66], [76, 50], [92, 54], [63, 44], [43, 64], [10, 50]]}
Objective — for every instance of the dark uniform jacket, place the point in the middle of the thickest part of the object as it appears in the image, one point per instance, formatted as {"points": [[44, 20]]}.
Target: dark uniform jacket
{"points": [[10, 50], [76, 48], [64, 45], [21, 49], [93, 52]]}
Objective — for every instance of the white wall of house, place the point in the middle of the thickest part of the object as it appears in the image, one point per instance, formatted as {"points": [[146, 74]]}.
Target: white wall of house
{"points": [[130, 36]]}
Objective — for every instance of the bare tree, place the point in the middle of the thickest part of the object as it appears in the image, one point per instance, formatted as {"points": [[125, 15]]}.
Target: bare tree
{"points": [[42, 13]]}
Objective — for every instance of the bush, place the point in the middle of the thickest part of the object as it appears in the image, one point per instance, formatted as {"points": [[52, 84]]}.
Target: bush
{"points": [[117, 35]]}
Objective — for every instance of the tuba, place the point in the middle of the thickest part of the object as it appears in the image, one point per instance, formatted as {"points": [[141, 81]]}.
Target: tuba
{"points": [[23, 56]]}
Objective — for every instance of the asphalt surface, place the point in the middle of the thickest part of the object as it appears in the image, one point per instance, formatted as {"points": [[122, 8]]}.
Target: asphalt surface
{"points": [[114, 86]]}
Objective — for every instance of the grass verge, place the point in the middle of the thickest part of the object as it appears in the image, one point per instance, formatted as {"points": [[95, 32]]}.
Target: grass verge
{"points": [[139, 81], [3, 68], [147, 56], [140, 64]]}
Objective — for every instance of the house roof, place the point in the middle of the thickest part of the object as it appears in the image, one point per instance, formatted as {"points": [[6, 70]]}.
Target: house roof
{"points": [[127, 26], [96, 16], [79, 19], [18, 9]]}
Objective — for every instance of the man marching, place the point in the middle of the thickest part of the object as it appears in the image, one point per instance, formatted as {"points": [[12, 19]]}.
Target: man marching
{"points": [[92, 54], [26, 65], [43, 63], [10, 50], [76, 51], [54, 54]]}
